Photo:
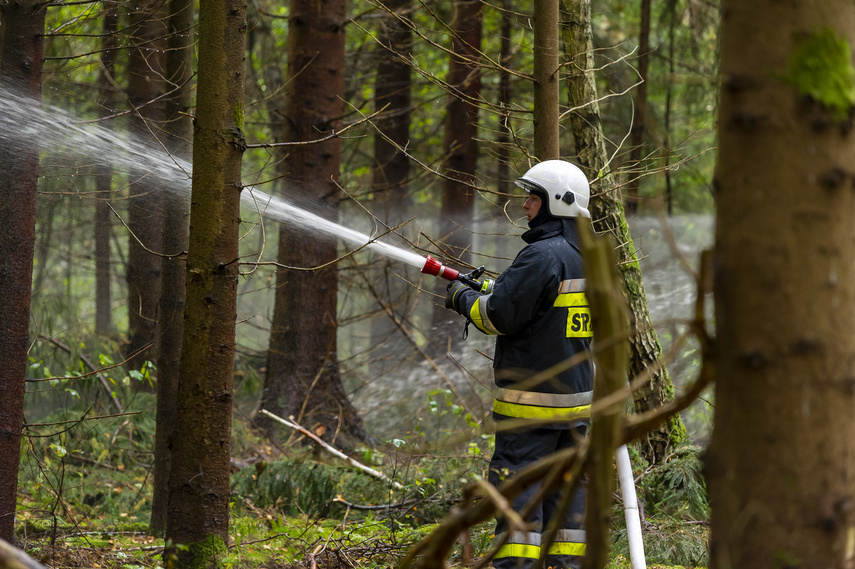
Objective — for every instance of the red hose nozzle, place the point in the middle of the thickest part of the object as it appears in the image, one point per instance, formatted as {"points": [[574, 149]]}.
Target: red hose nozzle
{"points": [[437, 269]]}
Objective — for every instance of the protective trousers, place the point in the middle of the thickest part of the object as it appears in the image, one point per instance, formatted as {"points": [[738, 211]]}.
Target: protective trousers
{"points": [[515, 451]]}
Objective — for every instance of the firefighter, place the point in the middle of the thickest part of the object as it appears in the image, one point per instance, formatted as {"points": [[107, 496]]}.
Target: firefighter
{"points": [[538, 310]]}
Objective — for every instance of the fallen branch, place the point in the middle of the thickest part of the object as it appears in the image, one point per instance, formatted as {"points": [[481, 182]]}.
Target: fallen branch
{"points": [[13, 558], [334, 451], [377, 507]]}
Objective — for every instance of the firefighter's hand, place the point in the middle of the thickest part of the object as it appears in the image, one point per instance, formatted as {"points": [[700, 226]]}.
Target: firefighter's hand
{"points": [[453, 296]]}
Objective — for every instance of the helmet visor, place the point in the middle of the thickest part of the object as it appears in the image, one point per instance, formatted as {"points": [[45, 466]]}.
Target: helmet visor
{"points": [[530, 187]]}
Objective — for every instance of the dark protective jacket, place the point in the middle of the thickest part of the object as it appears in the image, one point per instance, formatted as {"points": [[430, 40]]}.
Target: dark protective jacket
{"points": [[541, 316]]}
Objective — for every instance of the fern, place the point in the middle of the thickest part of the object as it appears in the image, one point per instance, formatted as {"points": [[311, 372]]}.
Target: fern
{"points": [[678, 487]]}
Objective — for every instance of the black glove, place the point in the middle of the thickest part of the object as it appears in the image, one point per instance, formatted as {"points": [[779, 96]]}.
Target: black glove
{"points": [[454, 296]]}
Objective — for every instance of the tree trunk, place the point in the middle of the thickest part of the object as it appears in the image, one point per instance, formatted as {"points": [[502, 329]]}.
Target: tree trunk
{"points": [[21, 47], [104, 175], [198, 512], [461, 150], [503, 139], [303, 378], [146, 70], [391, 172], [608, 215], [546, 81], [669, 96], [179, 69], [640, 102], [781, 466]]}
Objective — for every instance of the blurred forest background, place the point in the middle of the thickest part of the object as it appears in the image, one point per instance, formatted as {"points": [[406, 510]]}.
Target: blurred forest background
{"points": [[365, 333]]}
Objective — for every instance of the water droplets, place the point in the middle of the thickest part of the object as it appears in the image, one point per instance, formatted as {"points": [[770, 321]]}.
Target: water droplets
{"points": [[95, 144]]}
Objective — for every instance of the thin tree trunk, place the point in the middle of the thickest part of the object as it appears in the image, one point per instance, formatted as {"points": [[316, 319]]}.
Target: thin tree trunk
{"points": [[104, 174], [303, 378], [179, 62], [461, 150], [546, 83], [21, 48], [781, 466], [199, 492], [669, 191], [640, 103], [608, 215], [391, 172], [503, 139], [146, 70]]}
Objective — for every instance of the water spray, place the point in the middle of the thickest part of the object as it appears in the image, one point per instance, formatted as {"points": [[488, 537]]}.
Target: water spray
{"points": [[96, 145]]}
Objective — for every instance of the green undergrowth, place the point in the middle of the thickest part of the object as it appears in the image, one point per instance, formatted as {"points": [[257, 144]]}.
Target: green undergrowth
{"points": [[297, 485], [85, 488], [673, 497]]}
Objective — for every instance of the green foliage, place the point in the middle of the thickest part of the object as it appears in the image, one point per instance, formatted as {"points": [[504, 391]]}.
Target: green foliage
{"points": [[675, 506], [667, 541], [300, 485], [678, 488], [820, 66]]}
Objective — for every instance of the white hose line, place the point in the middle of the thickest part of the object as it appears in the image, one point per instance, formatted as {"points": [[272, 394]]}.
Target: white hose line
{"points": [[630, 505]]}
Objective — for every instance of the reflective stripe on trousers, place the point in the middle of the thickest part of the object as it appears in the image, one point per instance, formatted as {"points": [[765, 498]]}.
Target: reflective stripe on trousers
{"points": [[527, 544]]}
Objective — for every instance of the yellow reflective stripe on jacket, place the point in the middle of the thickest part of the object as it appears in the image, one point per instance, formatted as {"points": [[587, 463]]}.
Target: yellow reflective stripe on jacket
{"points": [[533, 405], [563, 400], [478, 316], [518, 550], [578, 314], [538, 412]]}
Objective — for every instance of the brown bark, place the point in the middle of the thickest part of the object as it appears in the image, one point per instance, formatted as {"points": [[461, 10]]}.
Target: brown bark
{"points": [[608, 215], [21, 48], [461, 149], [146, 69], [640, 103], [503, 139], [104, 175], [179, 132], [198, 511], [391, 171], [303, 378], [781, 466], [461, 128], [546, 80]]}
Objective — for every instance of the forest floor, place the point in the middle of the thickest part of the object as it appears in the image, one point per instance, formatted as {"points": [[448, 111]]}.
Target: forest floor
{"points": [[84, 502]]}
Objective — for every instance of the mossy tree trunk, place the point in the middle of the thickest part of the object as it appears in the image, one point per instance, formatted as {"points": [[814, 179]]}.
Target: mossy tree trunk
{"points": [[21, 48], [179, 133], [608, 216], [303, 378], [198, 512], [781, 465]]}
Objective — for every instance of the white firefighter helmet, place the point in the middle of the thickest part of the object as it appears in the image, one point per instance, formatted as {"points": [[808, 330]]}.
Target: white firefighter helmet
{"points": [[564, 186]]}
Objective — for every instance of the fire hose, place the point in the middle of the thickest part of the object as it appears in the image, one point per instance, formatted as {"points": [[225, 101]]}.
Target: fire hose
{"points": [[435, 268]]}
